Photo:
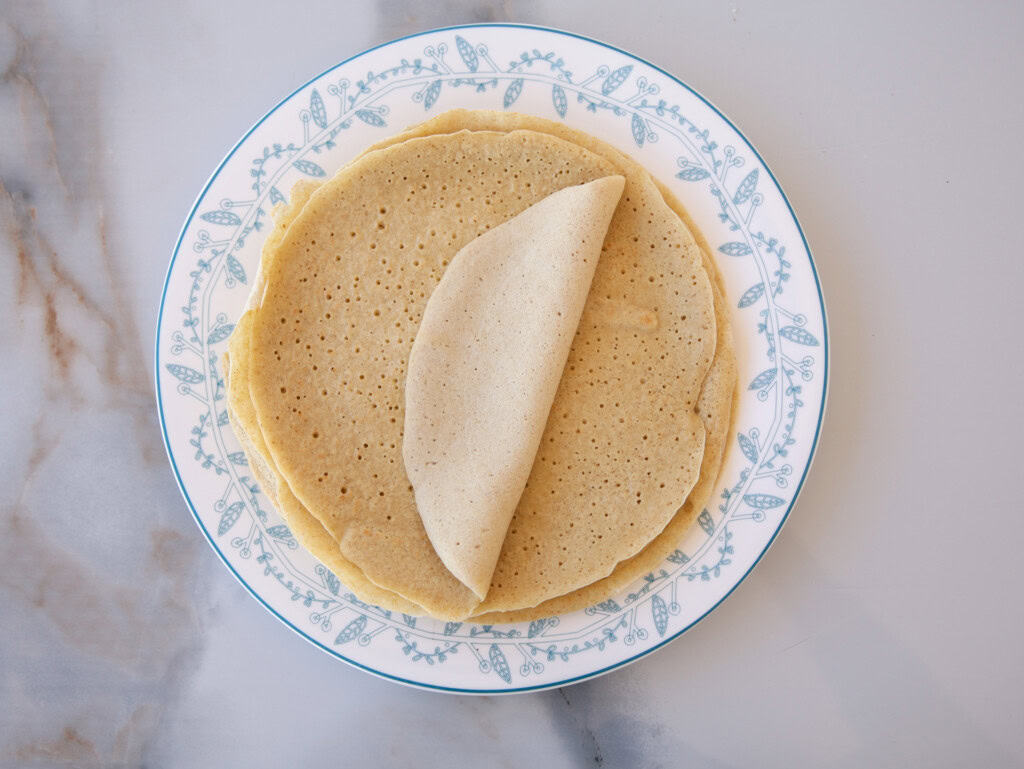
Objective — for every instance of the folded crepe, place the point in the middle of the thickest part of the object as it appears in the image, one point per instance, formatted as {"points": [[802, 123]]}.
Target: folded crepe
{"points": [[485, 366]]}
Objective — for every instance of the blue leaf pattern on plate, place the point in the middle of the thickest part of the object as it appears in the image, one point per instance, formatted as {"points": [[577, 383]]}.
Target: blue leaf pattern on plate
{"points": [[746, 188], [659, 613], [798, 335], [639, 130], [762, 501], [226, 218], [734, 249], [309, 168], [704, 519], [467, 53], [538, 626], [751, 295], [747, 446], [238, 458], [692, 174], [678, 556], [276, 196], [236, 269], [512, 92], [317, 109], [614, 80], [352, 630], [499, 664], [220, 333], [185, 374], [279, 531], [558, 99], [763, 379], [228, 517], [372, 118], [433, 91]]}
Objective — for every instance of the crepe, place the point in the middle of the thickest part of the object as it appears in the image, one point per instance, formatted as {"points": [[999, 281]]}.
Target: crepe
{"points": [[485, 365], [307, 530], [715, 405], [372, 548]]}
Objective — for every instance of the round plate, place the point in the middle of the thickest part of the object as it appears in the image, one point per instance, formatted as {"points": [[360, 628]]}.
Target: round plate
{"points": [[772, 289]]}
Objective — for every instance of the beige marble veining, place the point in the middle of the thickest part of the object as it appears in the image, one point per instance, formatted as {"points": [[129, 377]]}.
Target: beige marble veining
{"points": [[883, 627], [83, 458]]}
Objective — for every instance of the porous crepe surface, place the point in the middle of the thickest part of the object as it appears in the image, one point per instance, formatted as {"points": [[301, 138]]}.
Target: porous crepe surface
{"points": [[486, 363], [410, 554], [716, 397], [242, 416], [717, 394], [384, 539], [715, 407], [307, 529]]}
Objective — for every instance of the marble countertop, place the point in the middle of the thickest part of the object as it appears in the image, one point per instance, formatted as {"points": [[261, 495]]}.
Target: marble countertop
{"points": [[883, 629]]}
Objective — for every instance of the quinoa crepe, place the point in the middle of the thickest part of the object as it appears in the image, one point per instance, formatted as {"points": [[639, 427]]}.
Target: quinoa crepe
{"points": [[713, 393]]}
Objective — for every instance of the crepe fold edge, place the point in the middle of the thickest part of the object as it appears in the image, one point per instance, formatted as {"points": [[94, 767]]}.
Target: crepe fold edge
{"points": [[486, 363]]}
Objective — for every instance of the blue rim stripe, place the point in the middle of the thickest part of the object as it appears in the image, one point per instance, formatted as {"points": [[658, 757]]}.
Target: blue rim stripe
{"points": [[437, 687]]}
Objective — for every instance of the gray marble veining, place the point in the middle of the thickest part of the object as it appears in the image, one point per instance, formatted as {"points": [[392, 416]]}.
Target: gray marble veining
{"points": [[883, 628], [99, 622]]}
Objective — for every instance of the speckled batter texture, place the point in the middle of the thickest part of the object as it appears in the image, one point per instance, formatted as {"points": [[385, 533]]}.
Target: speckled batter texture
{"points": [[712, 399]]}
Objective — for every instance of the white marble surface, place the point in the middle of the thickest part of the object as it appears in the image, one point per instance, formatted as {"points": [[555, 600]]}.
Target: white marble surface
{"points": [[883, 629]]}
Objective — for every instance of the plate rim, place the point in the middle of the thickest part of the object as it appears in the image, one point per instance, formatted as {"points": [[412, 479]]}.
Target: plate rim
{"points": [[826, 345]]}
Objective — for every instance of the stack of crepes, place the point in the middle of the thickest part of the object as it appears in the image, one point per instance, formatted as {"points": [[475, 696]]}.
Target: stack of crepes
{"points": [[485, 371]]}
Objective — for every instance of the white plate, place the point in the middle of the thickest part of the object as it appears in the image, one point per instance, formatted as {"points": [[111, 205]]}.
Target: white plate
{"points": [[781, 336]]}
